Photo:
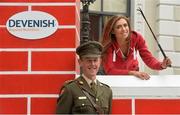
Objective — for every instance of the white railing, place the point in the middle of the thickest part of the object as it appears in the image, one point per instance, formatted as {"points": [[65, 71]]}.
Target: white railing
{"points": [[156, 86]]}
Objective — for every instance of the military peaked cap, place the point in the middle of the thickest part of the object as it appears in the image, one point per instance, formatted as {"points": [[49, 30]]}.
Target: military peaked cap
{"points": [[90, 49]]}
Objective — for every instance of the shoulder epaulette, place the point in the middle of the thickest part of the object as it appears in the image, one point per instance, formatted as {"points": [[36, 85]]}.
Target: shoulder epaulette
{"points": [[105, 85], [68, 82], [63, 86]]}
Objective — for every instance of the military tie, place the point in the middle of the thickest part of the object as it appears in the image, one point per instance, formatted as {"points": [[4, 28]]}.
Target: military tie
{"points": [[93, 87]]}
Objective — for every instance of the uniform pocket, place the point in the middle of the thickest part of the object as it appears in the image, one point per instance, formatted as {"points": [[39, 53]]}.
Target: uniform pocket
{"points": [[104, 102], [83, 106], [105, 110]]}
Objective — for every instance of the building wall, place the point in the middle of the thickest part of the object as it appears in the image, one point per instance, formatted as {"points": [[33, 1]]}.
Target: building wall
{"points": [[151, 13], [168, 32], [163, 17]]}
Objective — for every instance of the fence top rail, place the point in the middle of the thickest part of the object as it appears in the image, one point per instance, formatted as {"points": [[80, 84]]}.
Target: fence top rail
{"points": [[132, 81]]}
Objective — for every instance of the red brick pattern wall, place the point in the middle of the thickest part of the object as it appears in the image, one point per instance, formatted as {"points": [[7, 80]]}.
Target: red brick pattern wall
{"points": [[146, 105], [32, 71], [157, 106], [122, 106]]}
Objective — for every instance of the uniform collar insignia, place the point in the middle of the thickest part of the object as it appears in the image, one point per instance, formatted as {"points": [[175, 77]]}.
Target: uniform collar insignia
{"points": [[81, 82], [82, 97]]}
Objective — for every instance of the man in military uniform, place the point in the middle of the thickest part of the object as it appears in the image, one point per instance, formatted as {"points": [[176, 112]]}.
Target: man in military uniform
{"points": [[85, 94]]}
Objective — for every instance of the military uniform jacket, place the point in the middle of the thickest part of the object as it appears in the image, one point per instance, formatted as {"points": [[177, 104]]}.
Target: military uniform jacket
{"points": [[72, 100]]}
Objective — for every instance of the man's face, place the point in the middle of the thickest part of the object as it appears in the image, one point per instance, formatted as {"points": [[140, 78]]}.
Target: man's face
{"points": [[90, 66]]}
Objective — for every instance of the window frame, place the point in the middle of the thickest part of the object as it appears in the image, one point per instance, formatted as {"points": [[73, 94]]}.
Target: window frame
{"points": [[102, 13]]}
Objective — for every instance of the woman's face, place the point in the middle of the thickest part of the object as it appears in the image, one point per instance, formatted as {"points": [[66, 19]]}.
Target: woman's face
{"points": [[121, 29]]}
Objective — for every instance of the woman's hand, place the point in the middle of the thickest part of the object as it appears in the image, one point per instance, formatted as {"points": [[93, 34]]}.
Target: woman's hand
{"points": [[166, 63], [141, 75]]}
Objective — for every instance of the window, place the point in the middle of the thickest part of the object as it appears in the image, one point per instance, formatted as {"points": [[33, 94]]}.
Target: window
{"points": [[119, 6], [101, 10]]}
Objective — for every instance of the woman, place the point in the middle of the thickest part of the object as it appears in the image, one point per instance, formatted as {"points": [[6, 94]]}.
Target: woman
{"points": [[120, 50]]}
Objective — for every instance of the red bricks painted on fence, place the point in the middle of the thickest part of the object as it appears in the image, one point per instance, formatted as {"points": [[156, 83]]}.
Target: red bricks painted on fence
{"points": [[53, 61], [62, 38], [157, 106], [8, 11], [39, 1], [32, 84], [13, 106], [45, 105], [64, 14], [21, 57], [121, 106], [13, 61]]}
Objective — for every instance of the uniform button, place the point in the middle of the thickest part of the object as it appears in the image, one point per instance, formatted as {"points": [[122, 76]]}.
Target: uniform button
{"points": [[96, 99], [83, 104]]}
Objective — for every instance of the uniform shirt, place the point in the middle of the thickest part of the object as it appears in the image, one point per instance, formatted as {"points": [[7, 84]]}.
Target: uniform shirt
{"points": [[89, 81], [115, 63], [73, 101]]}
